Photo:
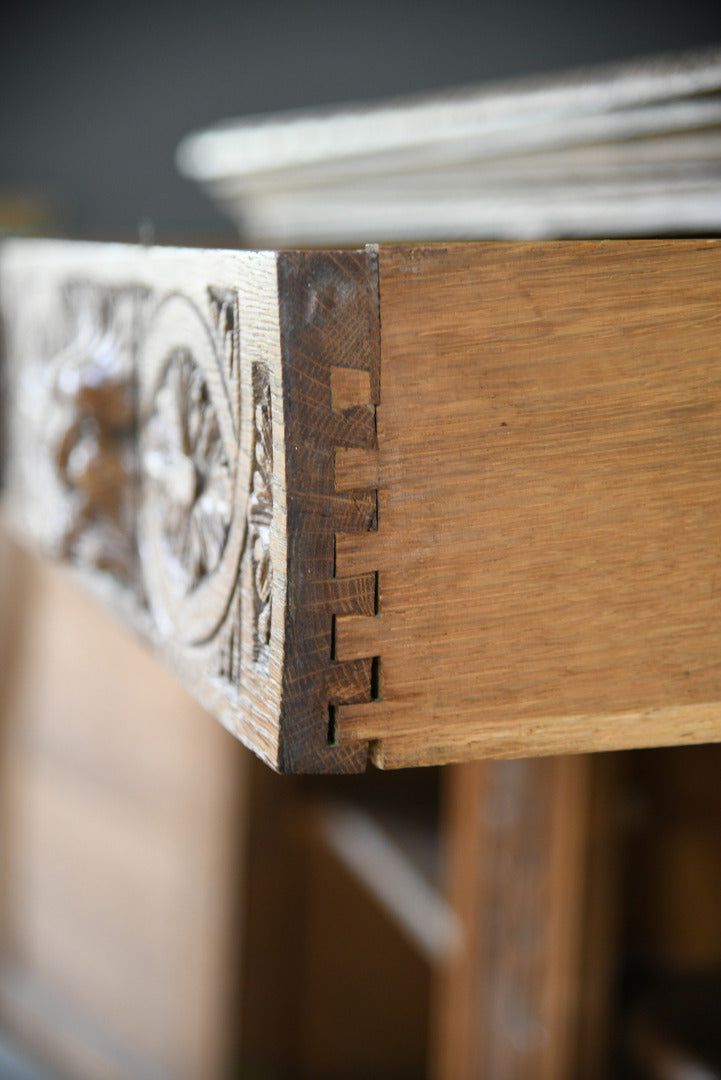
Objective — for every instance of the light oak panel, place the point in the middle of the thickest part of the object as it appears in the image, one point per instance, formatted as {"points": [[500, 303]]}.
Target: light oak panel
{"points": [[549, 439]]}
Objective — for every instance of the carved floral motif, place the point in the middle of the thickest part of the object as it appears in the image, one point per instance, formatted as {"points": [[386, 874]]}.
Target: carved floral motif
{"points": [[188, 471], [137, 402], [91, 426]]}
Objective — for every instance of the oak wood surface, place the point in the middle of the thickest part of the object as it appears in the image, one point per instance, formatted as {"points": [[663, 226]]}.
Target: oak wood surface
{"points": [[548, 513], [459, 504], [526, 994]]}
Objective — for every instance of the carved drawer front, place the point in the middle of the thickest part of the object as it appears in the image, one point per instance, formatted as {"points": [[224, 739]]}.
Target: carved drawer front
{"points": [[429, 503]]}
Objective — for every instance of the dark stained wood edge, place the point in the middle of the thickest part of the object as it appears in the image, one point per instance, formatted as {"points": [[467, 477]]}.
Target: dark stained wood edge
{"points": [[329, 318]]}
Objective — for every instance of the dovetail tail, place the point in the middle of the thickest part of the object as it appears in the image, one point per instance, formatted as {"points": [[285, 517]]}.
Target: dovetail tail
{"points": [[349, 387], [377, 594], [356, 469], [332, 636]]}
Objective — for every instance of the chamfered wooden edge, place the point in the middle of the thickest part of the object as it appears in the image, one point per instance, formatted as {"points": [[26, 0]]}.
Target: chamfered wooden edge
{"points": [[329, 326]]}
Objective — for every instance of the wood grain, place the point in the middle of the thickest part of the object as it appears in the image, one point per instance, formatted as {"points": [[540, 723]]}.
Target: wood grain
{"points": [[328, 319], [480, 520], [548, 514], [524, 995]]}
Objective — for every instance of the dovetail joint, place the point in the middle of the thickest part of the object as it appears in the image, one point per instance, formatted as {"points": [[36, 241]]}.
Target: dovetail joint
{"points": [[357, 594]]}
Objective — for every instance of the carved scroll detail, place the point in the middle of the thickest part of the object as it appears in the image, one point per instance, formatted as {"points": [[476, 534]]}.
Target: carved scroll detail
{"points": [[230, 653], [224, 315], [260, 515]]}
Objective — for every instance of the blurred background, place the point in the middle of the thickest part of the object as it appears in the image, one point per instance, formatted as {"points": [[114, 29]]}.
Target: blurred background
{"points": [[94, 98]]}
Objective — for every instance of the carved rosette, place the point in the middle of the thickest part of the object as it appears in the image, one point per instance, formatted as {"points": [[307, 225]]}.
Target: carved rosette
{"points": [[187, 472], [195, 483]]}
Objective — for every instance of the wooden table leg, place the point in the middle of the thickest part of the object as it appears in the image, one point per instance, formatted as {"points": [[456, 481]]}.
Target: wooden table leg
{"points": [[530, 874]]}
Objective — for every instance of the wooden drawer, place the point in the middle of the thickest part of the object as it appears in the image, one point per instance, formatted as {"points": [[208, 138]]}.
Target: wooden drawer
{"points": [[422, 503]]}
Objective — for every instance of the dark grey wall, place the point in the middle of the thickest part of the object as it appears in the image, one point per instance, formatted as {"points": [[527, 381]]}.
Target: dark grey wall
{"points": [[95, 97]]}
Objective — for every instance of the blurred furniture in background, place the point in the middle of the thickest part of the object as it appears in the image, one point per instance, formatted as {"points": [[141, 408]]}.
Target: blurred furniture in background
{"points": [[173, 909]]}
